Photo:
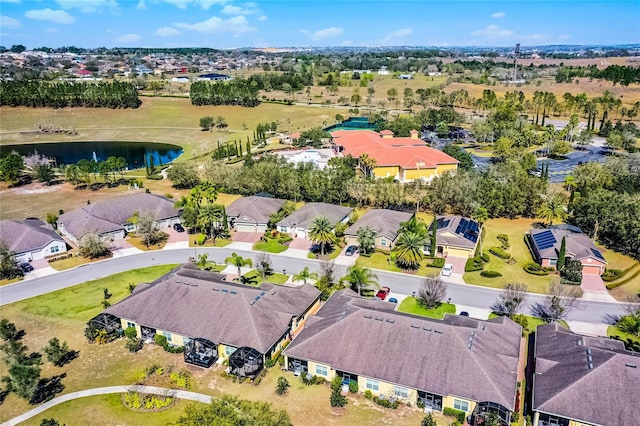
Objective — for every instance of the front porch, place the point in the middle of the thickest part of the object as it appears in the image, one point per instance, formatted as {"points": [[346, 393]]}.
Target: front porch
{"points": [[431, 401]]}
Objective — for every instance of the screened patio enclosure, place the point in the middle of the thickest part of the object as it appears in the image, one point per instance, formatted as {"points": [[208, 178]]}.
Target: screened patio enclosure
{"points": [[200, 352], [485, 408], [108, 322], [245, 362]]}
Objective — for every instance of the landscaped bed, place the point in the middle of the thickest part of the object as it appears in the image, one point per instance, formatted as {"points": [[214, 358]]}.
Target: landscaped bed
{"points": [[410, 305]]}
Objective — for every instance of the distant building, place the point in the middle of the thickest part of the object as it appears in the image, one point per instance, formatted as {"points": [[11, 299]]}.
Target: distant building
{"points": [[405, 77], [214, 77], [319, 157], [180, 79]]}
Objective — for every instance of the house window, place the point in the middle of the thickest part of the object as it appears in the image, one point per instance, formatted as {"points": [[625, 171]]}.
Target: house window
{"points": [[130, 324], [373, 385], [401, 392], [321, 370], [460, 405], [55, 249], [228, 350], [284, 229], [167, 335], [553, 262], [383, 242]]}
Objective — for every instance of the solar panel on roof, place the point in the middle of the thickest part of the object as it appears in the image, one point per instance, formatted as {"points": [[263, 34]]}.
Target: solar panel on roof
{"points": [[597, 254], [544, 240]]}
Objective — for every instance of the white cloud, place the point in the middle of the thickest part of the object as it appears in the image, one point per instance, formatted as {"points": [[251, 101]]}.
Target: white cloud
{"points": [[215, 25], [498, 15], [166, 32], [245, 9], [88, 6], [57, 16], [128, 38], [141, 5], [493, 32], [262, 18], [51, 30], [324, 33], [396, 36], [205, 4], [7, 22]]}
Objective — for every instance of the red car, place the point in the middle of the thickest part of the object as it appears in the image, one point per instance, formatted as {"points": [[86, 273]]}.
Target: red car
{"points": [[383, 293]]}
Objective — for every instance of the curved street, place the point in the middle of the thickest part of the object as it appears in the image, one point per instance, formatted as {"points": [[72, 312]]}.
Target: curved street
{"points": [[588, 311]]}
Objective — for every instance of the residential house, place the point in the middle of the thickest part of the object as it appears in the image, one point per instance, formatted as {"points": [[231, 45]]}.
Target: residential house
{"points": [[251, 214], [319, 157], [30, 239], [403, 159], [214, 77], [297, 223], [581, 380], [457, 362], [456, 236], [111, 219], [545, 245], [214, 319], [385, 222]]}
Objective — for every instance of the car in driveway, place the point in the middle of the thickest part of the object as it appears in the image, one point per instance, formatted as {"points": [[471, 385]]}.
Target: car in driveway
{"points": [[383, 293], [393, 300], [26, 267], [351, 250], [447, 269], [178, 227]]}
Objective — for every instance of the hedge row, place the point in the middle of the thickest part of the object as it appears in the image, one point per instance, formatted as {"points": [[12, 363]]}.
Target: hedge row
{"points": [[61, 257], [504, 239], [162, 341], [614, 274], [490, 274], [498, 251], [452, 412], [626, 280], [473, 264], [534, 269], [438, 262]]}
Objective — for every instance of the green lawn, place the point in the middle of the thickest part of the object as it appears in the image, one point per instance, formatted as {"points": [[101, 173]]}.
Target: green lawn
{"points": [[275, 278], [69, 263], [380, 261], [410, 305], [533, 323], [270, 246], [220, 242], [511, 273], [612, 331]]}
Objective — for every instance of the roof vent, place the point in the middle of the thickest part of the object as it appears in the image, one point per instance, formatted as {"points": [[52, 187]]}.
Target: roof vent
{"points": [[225, 290], [473, 333], [234, 292], [257, 298], [378, 319], [483, 327], [368, 316], [193, 285], [215, 289], [631, 365], [589, 358], [391, 321], [252, 302], [178, 281], [588, 351], [415, 326], [426, 329], [273, 292], [438, 331], [590, 366], [579, 342]]}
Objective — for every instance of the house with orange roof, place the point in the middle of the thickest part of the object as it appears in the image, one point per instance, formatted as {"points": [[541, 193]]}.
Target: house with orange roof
{"points": [[405, 159]]}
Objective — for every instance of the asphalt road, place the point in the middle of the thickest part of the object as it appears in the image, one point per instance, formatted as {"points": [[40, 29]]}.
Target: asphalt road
{"points": [[463, 294]]}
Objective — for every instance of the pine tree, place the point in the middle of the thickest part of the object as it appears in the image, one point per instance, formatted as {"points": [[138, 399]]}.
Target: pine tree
{"points": [[248, 146], [562, 254]]}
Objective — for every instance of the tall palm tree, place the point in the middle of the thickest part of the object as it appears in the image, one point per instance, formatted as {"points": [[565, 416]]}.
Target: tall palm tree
{"points": [[366, 239], [305, 275], [553, 208], [480, 215], [321, 232], [210, 217], [238, 261], [408, 249], [359, 278]]}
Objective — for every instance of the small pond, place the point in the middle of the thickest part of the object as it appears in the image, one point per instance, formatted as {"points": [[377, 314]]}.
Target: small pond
{"points": [[72, 152]]}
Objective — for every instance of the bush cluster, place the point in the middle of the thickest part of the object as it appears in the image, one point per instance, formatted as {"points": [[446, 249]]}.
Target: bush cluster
{"points": [[386, 403], [452, 412], [474, 264], [498, 251], [438, 262], [534, 269], [139, 401], [200, 239], [490, 274], [181, 379], [56, 258], [504, 239], [162, 341]]}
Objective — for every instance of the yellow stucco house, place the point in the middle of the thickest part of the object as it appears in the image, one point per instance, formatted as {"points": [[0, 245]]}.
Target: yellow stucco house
{"points": [[386, 224], [403, 159], [214, 320], [456, 236], [458, 362]]}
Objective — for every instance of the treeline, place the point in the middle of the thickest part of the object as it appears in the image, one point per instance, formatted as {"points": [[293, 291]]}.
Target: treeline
{"points": [[617, 74], [234, 92], [287, 81], [38, 94]]}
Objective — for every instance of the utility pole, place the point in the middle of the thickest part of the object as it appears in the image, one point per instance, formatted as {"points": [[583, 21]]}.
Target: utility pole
{"points": [[516, 52]]}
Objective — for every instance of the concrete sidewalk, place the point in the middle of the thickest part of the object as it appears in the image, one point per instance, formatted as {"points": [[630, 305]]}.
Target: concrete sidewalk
{"points": [[174, 393]]}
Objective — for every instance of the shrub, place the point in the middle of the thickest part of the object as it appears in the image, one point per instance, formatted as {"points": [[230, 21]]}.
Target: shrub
{"points": [[438, 262], [499, 252], [452, 412], [353, 386], [521, 320], [200, 239], [485, 257], [60, 257], [490, 274], [133, 345], [386, 403], [336, 383], [337, 399], [534, 269], [162, 341], [282, 385], [612, 274], [504, 239], [368, 394], [473, 264], [420, 404], [571, 273], [130, 333], [181, 379]]}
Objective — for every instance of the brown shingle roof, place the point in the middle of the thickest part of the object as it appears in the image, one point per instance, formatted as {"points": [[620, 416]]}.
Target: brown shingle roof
{"points": [[578, 245], [449, 224], [110, 215], [303, 217], [368, 338], [385, 222], [564, 385], [22, 236], [254, 210], [195, 303]]}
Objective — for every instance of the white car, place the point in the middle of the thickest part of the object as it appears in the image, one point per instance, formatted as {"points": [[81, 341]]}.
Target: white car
{"points": [[447, 269]]}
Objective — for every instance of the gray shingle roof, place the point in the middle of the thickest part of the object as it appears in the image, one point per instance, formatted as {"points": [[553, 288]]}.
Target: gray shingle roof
{"points": [[578, 245], [22, 236], [607, 394], [303, 217], [450, 225], [385, 222], [110, 215], [254, 210], [195, 303], [368, 338]]}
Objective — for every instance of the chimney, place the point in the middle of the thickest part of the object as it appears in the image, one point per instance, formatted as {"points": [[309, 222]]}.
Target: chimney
{"points": [[386, 134], [414, 134]]}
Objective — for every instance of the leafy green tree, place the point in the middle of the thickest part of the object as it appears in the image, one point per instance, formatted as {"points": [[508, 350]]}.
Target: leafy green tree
{"points": [[206, 123], [428, 420], [562, 254], [321, 232], [305, 275], [238, 261], [282, 385], [147, 229], [58, 353], [465, 159], [183, 176], [50, 422], [366, 239], [360, 278], [92, 246], [11, 167], [8, 266], [553, 207]]}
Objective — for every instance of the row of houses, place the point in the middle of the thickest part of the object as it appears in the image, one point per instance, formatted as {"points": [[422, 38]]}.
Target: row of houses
{"points": [[458, 362]]}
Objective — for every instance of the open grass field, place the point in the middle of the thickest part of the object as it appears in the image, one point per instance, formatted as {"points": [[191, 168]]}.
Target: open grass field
{"points": [[380, 261], [410, 305]]}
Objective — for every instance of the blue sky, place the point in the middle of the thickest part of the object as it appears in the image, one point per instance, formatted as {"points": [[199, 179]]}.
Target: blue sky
{"points": [[230, 23]]}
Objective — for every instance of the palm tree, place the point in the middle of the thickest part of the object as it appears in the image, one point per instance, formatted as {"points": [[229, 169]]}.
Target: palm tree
{"points": [[321, 232], [409, 249], [553, 208], [480, 215], [305, 275], [366, 239], [238, 262], [210, 217], [359, 277]]}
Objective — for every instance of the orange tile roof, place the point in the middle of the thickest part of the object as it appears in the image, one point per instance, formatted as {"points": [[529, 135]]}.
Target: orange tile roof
{"points": [[407, 153]]}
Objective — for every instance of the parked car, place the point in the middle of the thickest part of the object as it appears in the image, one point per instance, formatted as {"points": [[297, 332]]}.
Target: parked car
{"points": [[464, 314], [393, 300], [351, 250], [178, 227], [26, 267], [447, 269], [383, 293]]}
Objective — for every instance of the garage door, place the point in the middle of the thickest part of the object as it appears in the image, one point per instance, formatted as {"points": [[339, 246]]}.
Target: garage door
{"points": [[300, 233], [451, 251], [590, 270], [245, 227]]}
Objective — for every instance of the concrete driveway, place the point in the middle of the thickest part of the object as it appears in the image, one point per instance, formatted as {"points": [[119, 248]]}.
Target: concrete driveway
{"points": [[301, 244], [458, 264], [246, 237], [594, 289]]}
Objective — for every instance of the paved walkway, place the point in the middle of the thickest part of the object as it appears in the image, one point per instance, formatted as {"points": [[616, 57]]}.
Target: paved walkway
{"points": [[238, 245], [588, 328], [175, 393]]}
